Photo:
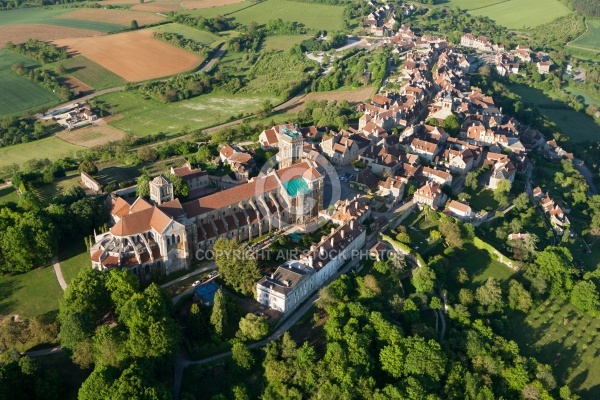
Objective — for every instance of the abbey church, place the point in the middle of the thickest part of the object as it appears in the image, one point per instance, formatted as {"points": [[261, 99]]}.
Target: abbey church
{"points": [[164, 235]]}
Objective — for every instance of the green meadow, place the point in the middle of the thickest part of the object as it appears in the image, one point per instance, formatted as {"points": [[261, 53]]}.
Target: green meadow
{"points": [[90, 73], [51, 16], [591, 40], [188, 32], [523, 14], [313, 16], [51, 147], [18, 93]]}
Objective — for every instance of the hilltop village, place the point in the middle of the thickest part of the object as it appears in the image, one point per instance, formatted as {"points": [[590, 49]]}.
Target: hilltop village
{"points": [[428, 135]]}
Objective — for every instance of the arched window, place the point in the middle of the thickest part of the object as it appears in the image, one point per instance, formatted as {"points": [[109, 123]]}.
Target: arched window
{"points": [[172, 239], [178, 239]]}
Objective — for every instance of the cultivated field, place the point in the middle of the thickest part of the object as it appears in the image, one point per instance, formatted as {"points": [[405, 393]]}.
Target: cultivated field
{"points": [[283, 42], [21, 33], [90, 73], [148, 116], [120, 17], [76, 85], [313, 16], [559, 335], [158, 6], [18, 93], [92, 135], [188, 32], [523, 14], [194, 4], [51, 147], [135, 56], [591, 40], [352, 96], [52, 16]]}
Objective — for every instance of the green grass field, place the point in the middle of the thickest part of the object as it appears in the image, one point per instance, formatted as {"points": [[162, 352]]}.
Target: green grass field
{"points": [[559, 335], [481, 266], [191, 33], [482, 199], [591, 40], [51, 147], [145, 116], [31, 294], [9, 194], [283, 42], [577, 125], [313, 16], [50, 191], [586, 97], [90, 73], [18, 93], [51, 16], [523, 14], [472, 4], [73, 259]]}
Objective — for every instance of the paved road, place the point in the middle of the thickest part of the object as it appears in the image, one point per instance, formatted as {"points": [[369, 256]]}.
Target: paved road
{"points": [[44, 352], [589, 177], [58, 272], [87, 97], [214, 58]]}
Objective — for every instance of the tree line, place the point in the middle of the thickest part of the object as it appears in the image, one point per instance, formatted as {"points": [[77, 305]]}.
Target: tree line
{"points": [[14, 130], [217, 24], [46, 78], [178, 40], [40, 51], [589, 8]]}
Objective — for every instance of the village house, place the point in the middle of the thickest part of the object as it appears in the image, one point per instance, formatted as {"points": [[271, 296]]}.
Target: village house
{"points": [[430, 194], [365, 181], [89, 182], [194, 177], [543, 67], [340, 149], [440, 177], [460, 210], [393, 186]]}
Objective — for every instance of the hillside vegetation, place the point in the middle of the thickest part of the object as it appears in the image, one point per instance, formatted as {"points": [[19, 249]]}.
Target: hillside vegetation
{"points": [[590, 8]]}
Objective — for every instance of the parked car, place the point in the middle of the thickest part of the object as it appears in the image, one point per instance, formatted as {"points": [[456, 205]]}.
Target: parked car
{"points": [[213, 274], [196, 283]]}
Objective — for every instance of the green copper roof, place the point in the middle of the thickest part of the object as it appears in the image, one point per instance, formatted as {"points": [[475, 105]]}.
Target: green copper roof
{"points": [[289, 132], [296, 186]]}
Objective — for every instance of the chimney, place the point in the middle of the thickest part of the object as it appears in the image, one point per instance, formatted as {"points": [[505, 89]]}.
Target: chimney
{"points": [[332, 230], [311, 261], [273, 275], [343, 232], [352, 224], [332, 242]]}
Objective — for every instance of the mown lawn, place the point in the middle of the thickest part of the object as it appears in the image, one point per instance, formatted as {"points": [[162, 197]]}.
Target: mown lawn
{"points": [[313, 16], [144, 116], [51, 190], [559, 335], [482, 199], [90, 73], [523, 14], [31, 294], [479, 265], [9, 194], [587, 98], [18, 93], [50, 147], [590, 40], [73, 258]]}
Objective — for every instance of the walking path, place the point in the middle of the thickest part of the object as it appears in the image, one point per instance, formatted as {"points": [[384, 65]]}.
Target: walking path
{"points": [[44, 352], [58, 272]]}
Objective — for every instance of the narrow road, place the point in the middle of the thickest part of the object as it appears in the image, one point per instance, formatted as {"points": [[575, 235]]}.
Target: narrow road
{"points": [[213, 59], [195, 272], [210, 267], [589, 177], [86, 98], [44, 352], [58, 272], [443, 332]]}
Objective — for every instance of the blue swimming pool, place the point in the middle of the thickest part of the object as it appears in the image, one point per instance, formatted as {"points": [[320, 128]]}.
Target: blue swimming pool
{"points": [[207, 292]]}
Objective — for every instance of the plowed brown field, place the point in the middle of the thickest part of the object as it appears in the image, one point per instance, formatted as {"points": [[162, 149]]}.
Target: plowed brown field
{"points": [[351, 96], [92, 135], [158, 6], [135, 56], [119, 17], [21, 33]]}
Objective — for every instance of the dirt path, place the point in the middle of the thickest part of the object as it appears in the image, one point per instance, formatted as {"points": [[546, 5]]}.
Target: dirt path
{"points": [[59, 275]]}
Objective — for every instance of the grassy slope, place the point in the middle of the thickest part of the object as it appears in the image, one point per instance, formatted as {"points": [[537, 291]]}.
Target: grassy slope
{"points": [[472, 4], [18, 93], [9, 194], [578, 126], [147, 116], [188, 32], [523, 14], [559, 335], [51, 16], [586, 96], [90, 73], [31, 294], [50, 147], [590, 40], [313, 16], [73, 259], [283, 42]]}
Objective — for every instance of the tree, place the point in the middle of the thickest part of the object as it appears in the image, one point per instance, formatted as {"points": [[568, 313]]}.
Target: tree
{"points": [[143, 186], [585, 296], [134, 24], [403, 237], [197, 323], [218, 317], [203, 155], [423, 280], [451, 125], [147, 154], [521, 202], [241, 355], [381, 266], [465, 296], [490, 294], [122, 284], [555, 267], [451, 232], [88, 167], [180, 187], [502, 191], [471, 180], [518, 297], [236, 267], [253, 327], [267, 107]]}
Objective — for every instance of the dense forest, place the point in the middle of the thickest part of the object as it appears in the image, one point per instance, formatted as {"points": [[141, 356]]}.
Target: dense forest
{"points": [[589, 8], [178, 88], [216, 24]]}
